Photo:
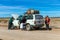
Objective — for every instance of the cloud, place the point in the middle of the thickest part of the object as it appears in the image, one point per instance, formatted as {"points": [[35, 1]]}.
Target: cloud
{"points": [[51, 13], [55, 4], [5, 14], [12, 7], [8, 10], [19, 0]]}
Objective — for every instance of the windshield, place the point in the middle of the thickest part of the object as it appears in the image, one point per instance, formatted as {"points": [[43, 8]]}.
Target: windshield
{"points": [[38, 16]]}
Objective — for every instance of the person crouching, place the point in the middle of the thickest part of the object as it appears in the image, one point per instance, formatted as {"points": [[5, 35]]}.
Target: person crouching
{"points": [[23, 21]]}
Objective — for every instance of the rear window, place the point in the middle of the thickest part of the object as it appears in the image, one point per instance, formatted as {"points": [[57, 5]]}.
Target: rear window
{"points": [[38, 16]]}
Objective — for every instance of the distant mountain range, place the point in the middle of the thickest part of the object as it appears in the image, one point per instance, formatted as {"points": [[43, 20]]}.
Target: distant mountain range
{"points": [[9, 17], [4, 17], [54, 17]]}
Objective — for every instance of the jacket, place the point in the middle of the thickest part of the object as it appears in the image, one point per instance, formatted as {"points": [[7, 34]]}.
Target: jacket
{"points": [[47, 20]]}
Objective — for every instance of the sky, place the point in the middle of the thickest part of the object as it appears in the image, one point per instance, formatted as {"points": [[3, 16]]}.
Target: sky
{"points": [[46, 7]]}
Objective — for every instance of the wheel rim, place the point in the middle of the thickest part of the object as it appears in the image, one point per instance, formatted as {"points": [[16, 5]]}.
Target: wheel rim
{"points": [[28, 27]]}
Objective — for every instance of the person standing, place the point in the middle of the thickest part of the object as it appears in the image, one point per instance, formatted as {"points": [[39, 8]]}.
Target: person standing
{"points": [[23, 21], [47, 22], [10, 23]]}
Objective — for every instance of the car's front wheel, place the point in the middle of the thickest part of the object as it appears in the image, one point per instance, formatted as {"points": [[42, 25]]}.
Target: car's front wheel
{"points": [[13, 27]]}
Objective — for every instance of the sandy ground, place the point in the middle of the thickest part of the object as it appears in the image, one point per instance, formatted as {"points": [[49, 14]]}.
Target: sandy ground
{"points": [[53, 34], [6, 34]]}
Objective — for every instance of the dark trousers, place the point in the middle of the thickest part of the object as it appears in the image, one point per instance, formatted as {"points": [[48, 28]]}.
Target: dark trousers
{"points": [[9, 25], [47, 26]]}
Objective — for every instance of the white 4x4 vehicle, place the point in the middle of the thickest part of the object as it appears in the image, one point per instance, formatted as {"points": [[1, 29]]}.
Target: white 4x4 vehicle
{"points": [[34, 21]]}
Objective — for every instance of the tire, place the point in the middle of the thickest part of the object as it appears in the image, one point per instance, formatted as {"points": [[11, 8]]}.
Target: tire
{"points": [[28, 27], [13, 27]]}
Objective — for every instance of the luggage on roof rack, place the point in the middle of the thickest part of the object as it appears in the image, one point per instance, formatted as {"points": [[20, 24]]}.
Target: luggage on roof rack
{"points": [[36, 12], [32, 12]]}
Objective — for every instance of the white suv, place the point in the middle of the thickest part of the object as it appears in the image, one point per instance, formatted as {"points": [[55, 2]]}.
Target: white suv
{"points": [[34, 21]]}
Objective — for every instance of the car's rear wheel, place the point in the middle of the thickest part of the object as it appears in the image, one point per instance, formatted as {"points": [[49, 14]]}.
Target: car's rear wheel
{"points": [[28, 27]]}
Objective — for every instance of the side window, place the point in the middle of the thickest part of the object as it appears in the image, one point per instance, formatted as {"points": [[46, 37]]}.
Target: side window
{"points": [[30, 17]]}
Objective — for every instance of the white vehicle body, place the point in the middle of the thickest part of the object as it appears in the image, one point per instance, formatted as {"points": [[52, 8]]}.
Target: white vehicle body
{"points": [[36, 21], [15, 21]]}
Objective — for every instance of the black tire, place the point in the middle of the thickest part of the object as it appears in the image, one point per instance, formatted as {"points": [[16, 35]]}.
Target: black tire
{"points": [[13, 27], [28, 27]]}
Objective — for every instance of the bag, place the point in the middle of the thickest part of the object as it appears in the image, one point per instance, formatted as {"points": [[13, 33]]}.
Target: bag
{"points": [[21, 25]]}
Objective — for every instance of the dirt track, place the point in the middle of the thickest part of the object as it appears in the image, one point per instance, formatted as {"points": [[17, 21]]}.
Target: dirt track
{"points": [[54, 34], [29, 35]]}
